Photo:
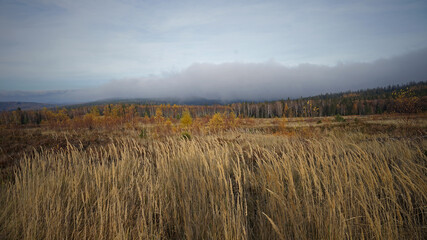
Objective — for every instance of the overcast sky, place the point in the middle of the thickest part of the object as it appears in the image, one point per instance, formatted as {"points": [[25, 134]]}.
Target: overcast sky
{"points": [[106, 49]]}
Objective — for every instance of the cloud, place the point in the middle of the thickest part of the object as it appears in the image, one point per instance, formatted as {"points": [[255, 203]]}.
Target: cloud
{"points": [[247, 81], [51, 44]]}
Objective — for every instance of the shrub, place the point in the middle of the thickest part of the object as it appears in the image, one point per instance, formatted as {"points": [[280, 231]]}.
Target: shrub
{"points": [[186, 136], [143, 133], [339, 118]]}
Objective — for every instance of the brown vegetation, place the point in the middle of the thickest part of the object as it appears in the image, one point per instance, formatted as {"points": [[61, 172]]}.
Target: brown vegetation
{"points": [[225, 178]]}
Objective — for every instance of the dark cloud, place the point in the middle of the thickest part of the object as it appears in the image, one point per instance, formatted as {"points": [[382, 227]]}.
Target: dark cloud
{"points": [[248, 81]]}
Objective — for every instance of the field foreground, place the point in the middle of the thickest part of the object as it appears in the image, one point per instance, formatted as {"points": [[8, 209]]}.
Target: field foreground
{"points": [[340, 184]]}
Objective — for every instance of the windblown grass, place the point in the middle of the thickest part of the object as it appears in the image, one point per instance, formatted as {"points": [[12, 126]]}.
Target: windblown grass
{"points": [[226, 186]]}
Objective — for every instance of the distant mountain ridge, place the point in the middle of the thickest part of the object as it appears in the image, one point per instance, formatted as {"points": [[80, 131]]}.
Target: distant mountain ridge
{"points": [[179, 101], [420, 90], [10, 106]]}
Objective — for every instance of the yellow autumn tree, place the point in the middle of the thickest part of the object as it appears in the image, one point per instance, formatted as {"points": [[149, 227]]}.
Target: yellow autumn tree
{"points": [[406, 101], [146, 118], [286, 110], [159, 116], [159, 128], [231, 120], [95, 111], [168, 127], [107, 110], [116, 111], [91, 119], [186, 119], [282, 124], [217, 122], [62, 116]]}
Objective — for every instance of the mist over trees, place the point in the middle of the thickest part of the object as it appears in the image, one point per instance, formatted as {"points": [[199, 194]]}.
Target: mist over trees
{"points": [[237, 81], [408, 98]]}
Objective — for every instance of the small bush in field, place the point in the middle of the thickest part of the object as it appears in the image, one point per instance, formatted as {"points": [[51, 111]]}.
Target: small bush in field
{"points": [[186, 136], [143, 133], [319, 122], [339, 118]]}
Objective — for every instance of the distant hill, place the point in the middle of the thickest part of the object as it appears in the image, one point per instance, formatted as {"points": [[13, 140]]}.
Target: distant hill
{"points": [[419, 89], [144, 101], [10, 106]]}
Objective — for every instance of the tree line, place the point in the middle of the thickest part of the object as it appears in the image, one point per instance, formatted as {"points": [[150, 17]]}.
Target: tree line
{"points": [[408, 98], [364, 102]]}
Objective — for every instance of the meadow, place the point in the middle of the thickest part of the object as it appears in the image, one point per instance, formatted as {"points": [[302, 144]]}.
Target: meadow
{"points": [[296, 178]]}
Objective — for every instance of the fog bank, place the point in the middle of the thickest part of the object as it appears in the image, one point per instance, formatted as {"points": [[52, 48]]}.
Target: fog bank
{"points": [[246, 81]]}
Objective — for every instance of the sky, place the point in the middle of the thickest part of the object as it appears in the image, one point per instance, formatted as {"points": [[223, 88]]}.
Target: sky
{"points": [[73, 51]]}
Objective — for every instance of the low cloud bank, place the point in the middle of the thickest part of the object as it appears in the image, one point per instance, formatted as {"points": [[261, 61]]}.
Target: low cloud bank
{"points": [[247, 81]]}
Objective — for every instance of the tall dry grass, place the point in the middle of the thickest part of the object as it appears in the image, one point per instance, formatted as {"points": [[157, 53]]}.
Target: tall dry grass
{"points": [[227, 186]]}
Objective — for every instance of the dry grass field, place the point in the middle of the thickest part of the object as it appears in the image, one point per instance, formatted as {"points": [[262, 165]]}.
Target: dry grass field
{"points": [[303, 179]]}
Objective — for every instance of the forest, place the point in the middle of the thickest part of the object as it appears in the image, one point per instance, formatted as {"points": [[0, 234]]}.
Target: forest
{"points": [[410, 98]]}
